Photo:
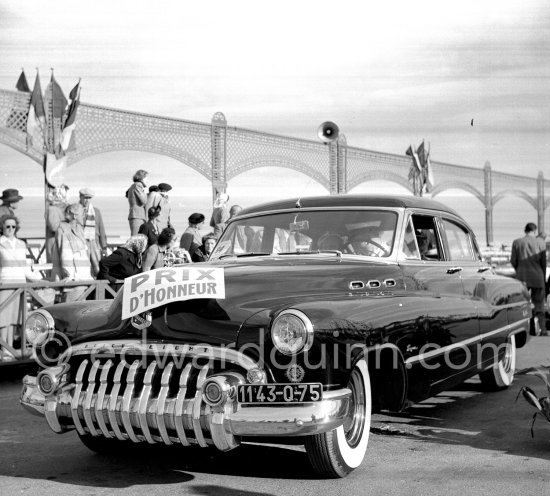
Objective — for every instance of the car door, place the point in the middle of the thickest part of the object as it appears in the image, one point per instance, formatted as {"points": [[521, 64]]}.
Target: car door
{"points": [[488, 290], [451, 325]]}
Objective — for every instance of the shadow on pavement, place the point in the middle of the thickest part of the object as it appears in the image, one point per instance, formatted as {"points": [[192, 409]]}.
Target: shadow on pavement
{"points": [[467, 415]]}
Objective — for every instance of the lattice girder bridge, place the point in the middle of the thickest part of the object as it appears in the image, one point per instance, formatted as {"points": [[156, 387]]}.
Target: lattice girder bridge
{"points": [[220, 152]]}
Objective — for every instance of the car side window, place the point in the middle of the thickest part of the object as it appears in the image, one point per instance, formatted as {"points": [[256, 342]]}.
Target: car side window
{"points": [[426, 237], [458, 241], [410, 247]]}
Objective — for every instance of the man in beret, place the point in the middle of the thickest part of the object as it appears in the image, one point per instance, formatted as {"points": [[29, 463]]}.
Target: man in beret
{"points": [[10, 201], [94, 230]]}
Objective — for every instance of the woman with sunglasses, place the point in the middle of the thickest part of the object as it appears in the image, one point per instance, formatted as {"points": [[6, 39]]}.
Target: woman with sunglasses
{"points": [[13, 270]]}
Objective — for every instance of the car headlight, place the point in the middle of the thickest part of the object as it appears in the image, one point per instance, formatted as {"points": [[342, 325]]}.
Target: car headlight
{"points": [[38, 327], [292, 332]]}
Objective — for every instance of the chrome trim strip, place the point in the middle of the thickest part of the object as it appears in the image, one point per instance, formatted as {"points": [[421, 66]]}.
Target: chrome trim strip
{"points": [[97, 348], [178, 408], [480, 337], [76, 397], [99, 407], [197, 407], [144, 400], [113, 399], [88, 396], [127, 401], [161, 402]]}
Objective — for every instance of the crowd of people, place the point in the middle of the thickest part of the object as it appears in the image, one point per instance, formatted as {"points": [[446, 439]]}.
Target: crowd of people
{"points": [[77, 249]]}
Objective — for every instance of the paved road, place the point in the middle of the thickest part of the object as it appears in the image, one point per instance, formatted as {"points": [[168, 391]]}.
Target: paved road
{"points": [[462, 442]]}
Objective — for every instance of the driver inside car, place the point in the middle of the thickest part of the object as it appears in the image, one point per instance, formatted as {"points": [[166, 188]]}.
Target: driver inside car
{"points": [[367, 241]]}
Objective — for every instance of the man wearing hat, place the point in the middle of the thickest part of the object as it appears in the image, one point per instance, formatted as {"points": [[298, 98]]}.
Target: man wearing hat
{"points": [[94, 230], [159, 200], [10, 201]]}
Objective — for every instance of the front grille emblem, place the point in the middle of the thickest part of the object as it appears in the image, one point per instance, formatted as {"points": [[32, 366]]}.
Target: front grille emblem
{"points": [[142, 320]]}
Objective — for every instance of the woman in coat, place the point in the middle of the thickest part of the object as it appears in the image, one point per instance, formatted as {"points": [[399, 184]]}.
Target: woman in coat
{"points": [[14, 269], [137, 198], [72, 251]]}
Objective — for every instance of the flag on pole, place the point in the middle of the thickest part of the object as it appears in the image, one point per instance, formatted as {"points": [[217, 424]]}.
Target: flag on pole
{"points": [[55, 104], [415, 171], [67, 132], [55, 167], [429, 173], [36, 119], [22, 84]]}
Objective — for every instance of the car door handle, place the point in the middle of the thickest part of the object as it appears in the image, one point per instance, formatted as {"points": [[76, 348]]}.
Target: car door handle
{"points": [[483, 269], [454, 270]]}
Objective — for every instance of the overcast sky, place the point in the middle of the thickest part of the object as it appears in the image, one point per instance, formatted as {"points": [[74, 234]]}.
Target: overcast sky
{"points": [[388, 73]]}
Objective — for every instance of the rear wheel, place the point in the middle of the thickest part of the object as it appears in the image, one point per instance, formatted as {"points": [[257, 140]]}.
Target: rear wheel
{"points": [[336, 453], [501, 375]]}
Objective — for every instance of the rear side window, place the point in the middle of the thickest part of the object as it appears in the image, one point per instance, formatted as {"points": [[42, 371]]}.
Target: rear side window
{"points": [[458, 241]]}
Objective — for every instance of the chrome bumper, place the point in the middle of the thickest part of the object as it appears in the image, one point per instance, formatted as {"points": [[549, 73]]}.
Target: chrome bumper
{"points": [[118, 414]]}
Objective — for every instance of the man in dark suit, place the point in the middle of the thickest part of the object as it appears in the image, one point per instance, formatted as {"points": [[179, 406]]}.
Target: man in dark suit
{"points": [[529, 261]]}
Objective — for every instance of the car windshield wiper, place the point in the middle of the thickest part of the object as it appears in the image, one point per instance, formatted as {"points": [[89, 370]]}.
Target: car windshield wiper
{"points": [[240, 255]]}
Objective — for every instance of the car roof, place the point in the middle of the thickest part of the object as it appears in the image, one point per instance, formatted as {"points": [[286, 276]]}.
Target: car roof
{"points": [[344, 201]]}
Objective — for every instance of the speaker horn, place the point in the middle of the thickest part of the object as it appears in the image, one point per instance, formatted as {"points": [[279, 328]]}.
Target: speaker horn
{"points": [[328, 131]]}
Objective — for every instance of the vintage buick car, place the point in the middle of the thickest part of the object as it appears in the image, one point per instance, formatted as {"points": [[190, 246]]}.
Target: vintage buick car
{"points": [[311, 314]]}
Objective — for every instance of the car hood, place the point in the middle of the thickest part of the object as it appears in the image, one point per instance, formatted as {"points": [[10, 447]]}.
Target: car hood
{"points": [[251, 286]]}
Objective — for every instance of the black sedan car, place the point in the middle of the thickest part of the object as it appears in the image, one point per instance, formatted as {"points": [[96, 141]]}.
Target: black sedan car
{"points": [[310, 314]]}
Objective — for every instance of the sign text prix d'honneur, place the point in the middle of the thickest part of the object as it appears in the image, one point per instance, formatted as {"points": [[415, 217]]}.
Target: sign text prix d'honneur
{"points": [[158, 287]]}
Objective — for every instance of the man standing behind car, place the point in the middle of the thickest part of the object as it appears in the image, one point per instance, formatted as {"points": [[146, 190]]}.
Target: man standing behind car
{"points": [[529, 261]]}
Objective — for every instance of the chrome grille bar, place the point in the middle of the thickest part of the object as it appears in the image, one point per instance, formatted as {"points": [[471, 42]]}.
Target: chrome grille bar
{"points": [[127, 401], [76, 397], [114, 400], [178, 409], [161, 403], [88, 396], [144, 400], [99, 407], [196, 410]]}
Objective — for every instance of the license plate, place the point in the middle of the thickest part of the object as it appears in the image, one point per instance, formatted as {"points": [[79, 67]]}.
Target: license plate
{"points": [[279, 393]]}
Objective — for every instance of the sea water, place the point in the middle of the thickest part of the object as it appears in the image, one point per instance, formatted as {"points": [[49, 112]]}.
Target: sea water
{"points": [[509, 215]]}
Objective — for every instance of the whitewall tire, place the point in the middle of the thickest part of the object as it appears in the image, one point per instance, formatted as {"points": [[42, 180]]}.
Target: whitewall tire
{"points": [[336, 453], [501, 375]]}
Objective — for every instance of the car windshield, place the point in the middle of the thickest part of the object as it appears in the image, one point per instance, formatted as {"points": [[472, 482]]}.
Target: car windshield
{"points": [[356, 232]]}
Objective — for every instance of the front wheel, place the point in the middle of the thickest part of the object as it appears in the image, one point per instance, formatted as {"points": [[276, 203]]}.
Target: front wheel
{"points": [[501, 375], [336, 453]]}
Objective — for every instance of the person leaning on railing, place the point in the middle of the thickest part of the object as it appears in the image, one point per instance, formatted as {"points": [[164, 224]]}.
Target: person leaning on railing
{"points": [[14, 269], [124, 262]]}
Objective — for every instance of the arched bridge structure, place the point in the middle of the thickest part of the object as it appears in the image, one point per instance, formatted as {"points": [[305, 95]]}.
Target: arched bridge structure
{"points": [[221, 152]]}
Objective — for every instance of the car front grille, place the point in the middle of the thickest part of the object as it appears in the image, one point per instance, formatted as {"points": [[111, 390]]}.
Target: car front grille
{"points": [[147, 397]]}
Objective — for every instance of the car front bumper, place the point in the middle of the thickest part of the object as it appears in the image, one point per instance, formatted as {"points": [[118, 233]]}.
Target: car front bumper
{"points": [[122, 413]]}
